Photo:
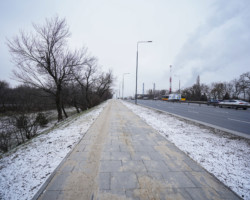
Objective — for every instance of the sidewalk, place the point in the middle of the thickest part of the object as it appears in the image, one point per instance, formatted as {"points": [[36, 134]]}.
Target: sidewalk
{"points": [[121, 157]]}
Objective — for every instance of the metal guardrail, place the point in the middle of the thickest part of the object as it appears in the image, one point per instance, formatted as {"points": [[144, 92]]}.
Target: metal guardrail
{"points": [[203, 103], [211, 104]]}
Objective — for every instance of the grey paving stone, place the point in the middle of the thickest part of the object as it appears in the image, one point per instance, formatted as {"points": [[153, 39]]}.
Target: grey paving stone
{"points": [[49, 195], [202, 179], [177, 180], [172, 194], [123, 181], [134, 166], [93, 147], [81, 167], [78, 156], [81, 146], [151, 175], [112, 194], [66, 167], [170, 152], [76, 195], [84, 142], [106, 155], [58, 182], [126, 148], [203, 193], [143, 142], [165, 143], [110, 166], [205, 180], [158, 193], [225, 193], [140, 156], [149, 183], [104, 181], [177, 165], [193, 165], [120, 155], [137, 194], [110, 148], [156, 166], [144, 148], [155, 156], [115, 141], [108, 141]]}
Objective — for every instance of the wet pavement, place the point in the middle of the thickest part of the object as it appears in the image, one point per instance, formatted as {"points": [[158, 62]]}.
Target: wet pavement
{"points": [[121, 157]]}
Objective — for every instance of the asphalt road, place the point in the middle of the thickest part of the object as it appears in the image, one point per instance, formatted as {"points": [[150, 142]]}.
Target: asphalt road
{"points": [[235, 120]]}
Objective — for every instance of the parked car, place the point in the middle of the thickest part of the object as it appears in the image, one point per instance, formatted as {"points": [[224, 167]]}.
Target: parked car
{"points": [[234, 104], [213, 102]]}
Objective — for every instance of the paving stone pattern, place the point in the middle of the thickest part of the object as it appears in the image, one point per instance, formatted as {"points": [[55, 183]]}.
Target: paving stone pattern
{"points": [[121, 157]]}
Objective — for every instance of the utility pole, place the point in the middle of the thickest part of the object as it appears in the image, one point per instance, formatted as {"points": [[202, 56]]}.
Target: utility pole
{"points": [[170, 80], [123, 84], [154, 89], [119, 90], [179, 85], [142, 89]]}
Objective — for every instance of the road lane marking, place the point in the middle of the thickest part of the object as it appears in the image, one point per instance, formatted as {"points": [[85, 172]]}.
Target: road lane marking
{"points": [[193, 111], [238, 120], [221, 111]]}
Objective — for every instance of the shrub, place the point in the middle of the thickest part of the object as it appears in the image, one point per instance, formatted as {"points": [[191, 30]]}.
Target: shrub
{"points": [[5, 136], [4, 141], [41, 119], [22, 122], [27, 126]]}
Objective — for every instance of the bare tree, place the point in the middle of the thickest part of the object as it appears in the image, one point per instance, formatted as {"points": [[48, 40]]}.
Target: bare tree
{"points": [[163, 92], [86, 78], [218, 90], [4, 91], [204, 89], [43, 59], [74, 95], [235, 88], [244, 84], [104, 83]]}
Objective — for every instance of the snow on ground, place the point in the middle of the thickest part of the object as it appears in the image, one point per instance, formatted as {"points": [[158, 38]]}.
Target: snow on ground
{"points": [[223, 155], [25, 169]]}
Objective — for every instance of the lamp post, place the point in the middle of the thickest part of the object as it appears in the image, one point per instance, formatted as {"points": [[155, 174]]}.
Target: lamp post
{"points": [[137, 67], [119, 90], [154, 89], [123, 83]]}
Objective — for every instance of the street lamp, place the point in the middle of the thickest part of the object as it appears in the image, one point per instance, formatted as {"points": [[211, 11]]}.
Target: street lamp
{"points": [[137, 67], [123, 83], [154, 89]]}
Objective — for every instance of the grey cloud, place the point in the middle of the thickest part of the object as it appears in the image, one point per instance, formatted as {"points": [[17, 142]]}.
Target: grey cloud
{"points": [[222, 42]]}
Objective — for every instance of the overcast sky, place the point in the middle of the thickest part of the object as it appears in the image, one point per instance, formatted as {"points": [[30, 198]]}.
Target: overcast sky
{"points": [[210, 38]]}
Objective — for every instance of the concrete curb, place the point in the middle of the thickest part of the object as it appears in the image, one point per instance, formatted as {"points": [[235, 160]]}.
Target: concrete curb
{"points": [[246, 136]]}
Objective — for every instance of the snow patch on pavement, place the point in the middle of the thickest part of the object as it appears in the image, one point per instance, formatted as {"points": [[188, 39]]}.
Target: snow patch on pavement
{"points": [[25, 169], [227, 157]]}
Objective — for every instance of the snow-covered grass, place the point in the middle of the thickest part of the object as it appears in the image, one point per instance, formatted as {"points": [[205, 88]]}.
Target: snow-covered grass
{"points": [[225, 156], [24, 169]]}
